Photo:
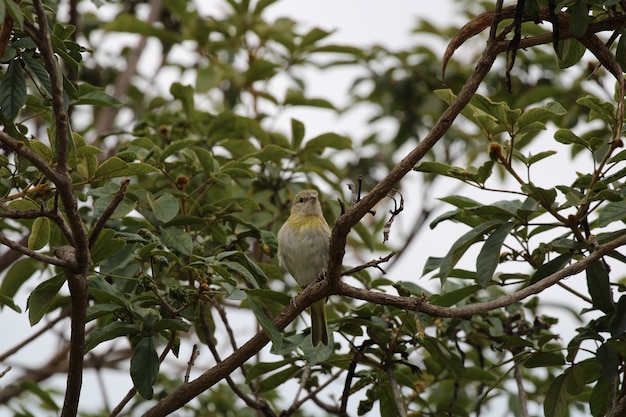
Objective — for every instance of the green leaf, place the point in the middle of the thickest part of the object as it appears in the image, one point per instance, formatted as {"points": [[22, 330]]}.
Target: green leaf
{"points": [[530, 118], [106, 245], [138, 168], [461, 245], [266, 323], [297, 133], [144, 367], [111, 168], [164, 208], [94, 96], [279, 378], [175, 147], [16, 276], [178, 239], [12, 90], [609, 360], [612, 212], [7, 301], [33, 62], [551, 267], [617, 325], [599, 108], [532, 159], [568, 137], [327, 140], [600, 397], [489, 256], [556, 399], [121, 211], [268, 153], [131, 24], [172, 324], [260, 69], [102, 291], [39, 233], [570, 52], [262, 368], [209, 164], [313, 36], [546, 197], [15, 12], [43, 394], [579, 18], [544, 359], [599, 287], [450, 298], [42, 296], [443, 356], [297, 98], [110, 331]]}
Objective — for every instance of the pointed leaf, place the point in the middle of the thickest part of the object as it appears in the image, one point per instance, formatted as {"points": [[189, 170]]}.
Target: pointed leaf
{"points": [[462, 245], [328, 140], [110, 331], [39, 234], [600, 288], [42, 296], [144, 367], [489, 256], [12, 90]]}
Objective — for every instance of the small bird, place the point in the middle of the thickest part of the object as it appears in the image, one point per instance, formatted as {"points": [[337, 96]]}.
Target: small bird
{"points": [[303, 249]]}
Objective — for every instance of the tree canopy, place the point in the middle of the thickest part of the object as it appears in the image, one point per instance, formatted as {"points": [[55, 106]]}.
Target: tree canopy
{"points": [[141, 219]]}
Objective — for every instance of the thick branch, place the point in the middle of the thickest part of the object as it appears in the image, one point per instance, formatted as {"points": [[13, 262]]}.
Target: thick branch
{"points": [[29, 252], [413, 303], [187, 392], [22, 149], [52, 214], [345, 222], [58, 108]]}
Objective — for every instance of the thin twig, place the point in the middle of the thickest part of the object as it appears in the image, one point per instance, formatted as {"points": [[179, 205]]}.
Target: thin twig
{"points": [[6, 371], [192, 360], [397, 209], [519, 380], [371, 264], [419, 304], [395, 389], [108, 212], [313, 395], [343, 408]]}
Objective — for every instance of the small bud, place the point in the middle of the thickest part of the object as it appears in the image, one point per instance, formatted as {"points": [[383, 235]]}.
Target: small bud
{"points": [[182, 182], [495, 151]]}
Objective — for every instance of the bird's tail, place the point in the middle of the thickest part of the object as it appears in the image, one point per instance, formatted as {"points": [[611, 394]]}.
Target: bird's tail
{"points": [[319, 327]]}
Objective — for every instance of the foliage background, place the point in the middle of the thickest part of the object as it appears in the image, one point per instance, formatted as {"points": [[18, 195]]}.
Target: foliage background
{"points": [[167, 135]]}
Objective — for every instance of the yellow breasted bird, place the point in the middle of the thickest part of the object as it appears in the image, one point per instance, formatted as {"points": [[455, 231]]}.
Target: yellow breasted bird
{"points": [[303, 249]]}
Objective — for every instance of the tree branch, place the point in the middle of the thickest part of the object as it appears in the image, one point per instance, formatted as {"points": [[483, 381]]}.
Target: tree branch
{"points": [[29, 252], [418, 304], [22, 149], [345, 222]]}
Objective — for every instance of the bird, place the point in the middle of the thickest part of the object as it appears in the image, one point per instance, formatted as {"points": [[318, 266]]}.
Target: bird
{"points": [[303, 242]]}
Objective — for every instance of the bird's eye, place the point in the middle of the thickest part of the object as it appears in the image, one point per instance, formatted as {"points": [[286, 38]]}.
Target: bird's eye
{"points": [[301, 200]]}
